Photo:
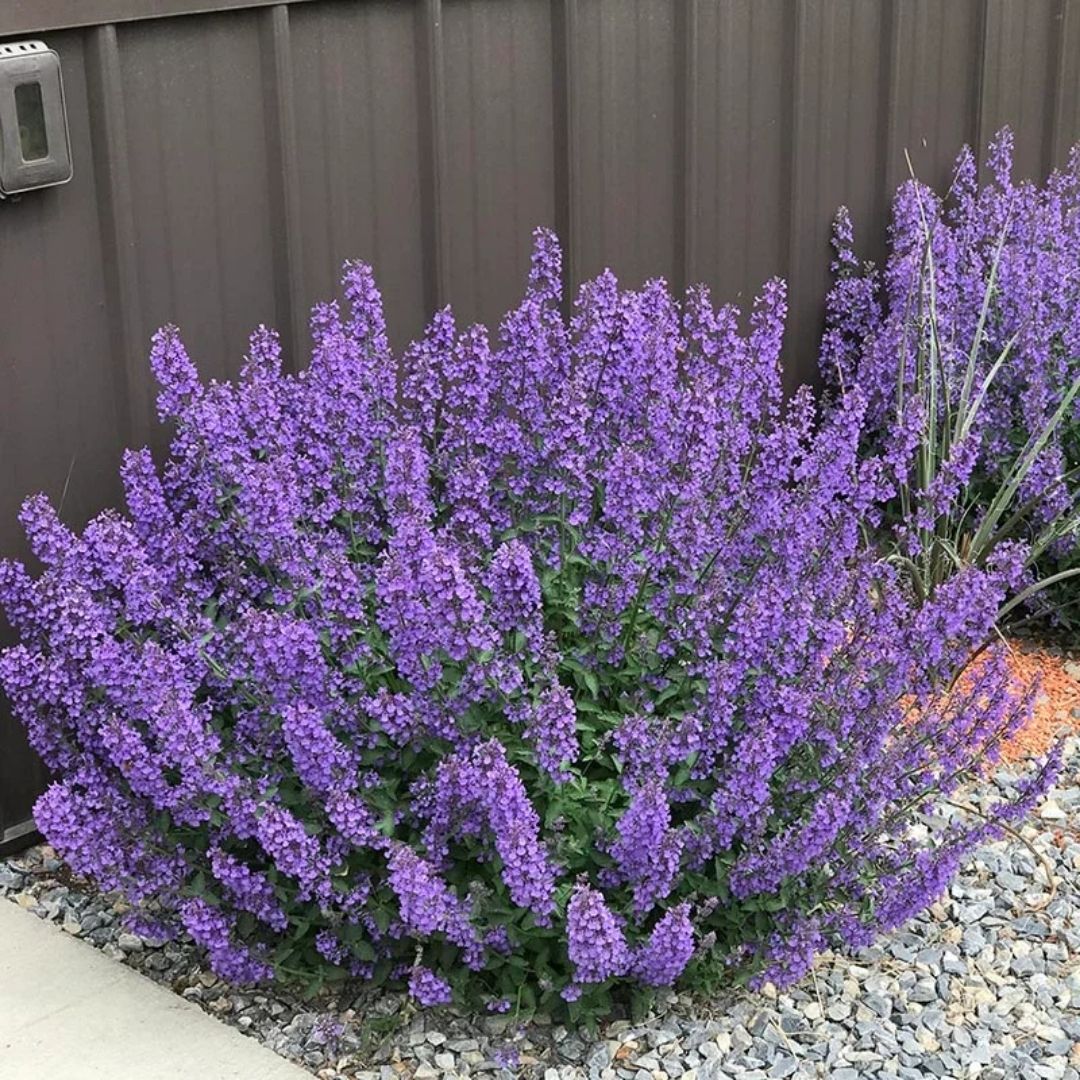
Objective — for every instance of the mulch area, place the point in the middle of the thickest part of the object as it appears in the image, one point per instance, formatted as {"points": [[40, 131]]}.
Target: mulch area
{"points": [[1057, 707]]}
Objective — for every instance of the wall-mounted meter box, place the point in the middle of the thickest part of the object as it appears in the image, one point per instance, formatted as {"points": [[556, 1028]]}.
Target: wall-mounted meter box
{"points": [[35, 150]]}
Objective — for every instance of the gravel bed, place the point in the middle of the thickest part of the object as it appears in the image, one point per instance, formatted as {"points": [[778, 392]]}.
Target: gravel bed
{"points": [[986, 984]]}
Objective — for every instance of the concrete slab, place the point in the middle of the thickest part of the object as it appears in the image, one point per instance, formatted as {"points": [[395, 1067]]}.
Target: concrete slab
{"points": [[69, 1013]]}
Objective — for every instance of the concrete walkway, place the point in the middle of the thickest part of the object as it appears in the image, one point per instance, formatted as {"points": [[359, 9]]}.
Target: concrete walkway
{"points": [[69, 1013]]}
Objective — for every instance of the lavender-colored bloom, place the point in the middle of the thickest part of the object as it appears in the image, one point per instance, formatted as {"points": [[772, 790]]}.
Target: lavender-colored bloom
{"points": [[795, 850], [595, 941], [353, 818], [295, 853], [213, 931], [329, 947], [249, 889], [515, 591], [175, 373], [552, 728], [790, 954], [321, 762], [526, 867], [428, 905], [425, 900], [396, 714], [648, 850], [507, 1056], [406, 484], [428, 989], [663, 958], [49, 539]]}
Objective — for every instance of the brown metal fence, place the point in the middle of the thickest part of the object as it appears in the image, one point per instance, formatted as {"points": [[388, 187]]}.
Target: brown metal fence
{"points": [[229, 154]]}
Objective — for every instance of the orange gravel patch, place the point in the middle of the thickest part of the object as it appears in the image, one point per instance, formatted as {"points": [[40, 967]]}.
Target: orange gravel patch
{"points": [[1057, 707]]}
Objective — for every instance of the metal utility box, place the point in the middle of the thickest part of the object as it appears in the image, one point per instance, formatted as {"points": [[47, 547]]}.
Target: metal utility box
{"points": [[35, 151]]}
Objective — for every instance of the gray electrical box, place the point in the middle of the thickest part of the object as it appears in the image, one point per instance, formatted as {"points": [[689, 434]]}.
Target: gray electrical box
{"points": [[35, 151]]}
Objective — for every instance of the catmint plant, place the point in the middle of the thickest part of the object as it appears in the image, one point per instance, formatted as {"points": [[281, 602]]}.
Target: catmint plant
{"points": [[528, 667], [966, 348]]}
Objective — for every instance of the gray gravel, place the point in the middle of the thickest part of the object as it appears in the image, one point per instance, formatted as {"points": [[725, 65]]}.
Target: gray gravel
{"points": [[984, 985]]}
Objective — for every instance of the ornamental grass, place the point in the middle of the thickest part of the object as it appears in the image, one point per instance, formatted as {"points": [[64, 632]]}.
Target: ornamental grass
{"points": [[966, 349]]}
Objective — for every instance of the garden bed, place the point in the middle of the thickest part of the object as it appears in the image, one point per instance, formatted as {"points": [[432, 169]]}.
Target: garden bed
{"points": [[985, 984]]}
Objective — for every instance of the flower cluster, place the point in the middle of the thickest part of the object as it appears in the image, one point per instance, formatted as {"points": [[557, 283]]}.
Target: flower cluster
{"points": [[510, 669], [966, 349]]}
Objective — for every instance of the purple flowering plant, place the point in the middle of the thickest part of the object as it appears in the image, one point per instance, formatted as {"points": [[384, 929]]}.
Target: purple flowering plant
{"points": [[529, 670], [966, 348]]}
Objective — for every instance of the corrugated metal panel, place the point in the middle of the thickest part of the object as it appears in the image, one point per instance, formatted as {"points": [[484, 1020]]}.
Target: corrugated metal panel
{"points": [[499, 148], [358, 133], [839, 124], [625, 139], [35, 16], [933, 87], [1066, 103], [197, 153], [741, 135], [1020, 59], [229, 154]]}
